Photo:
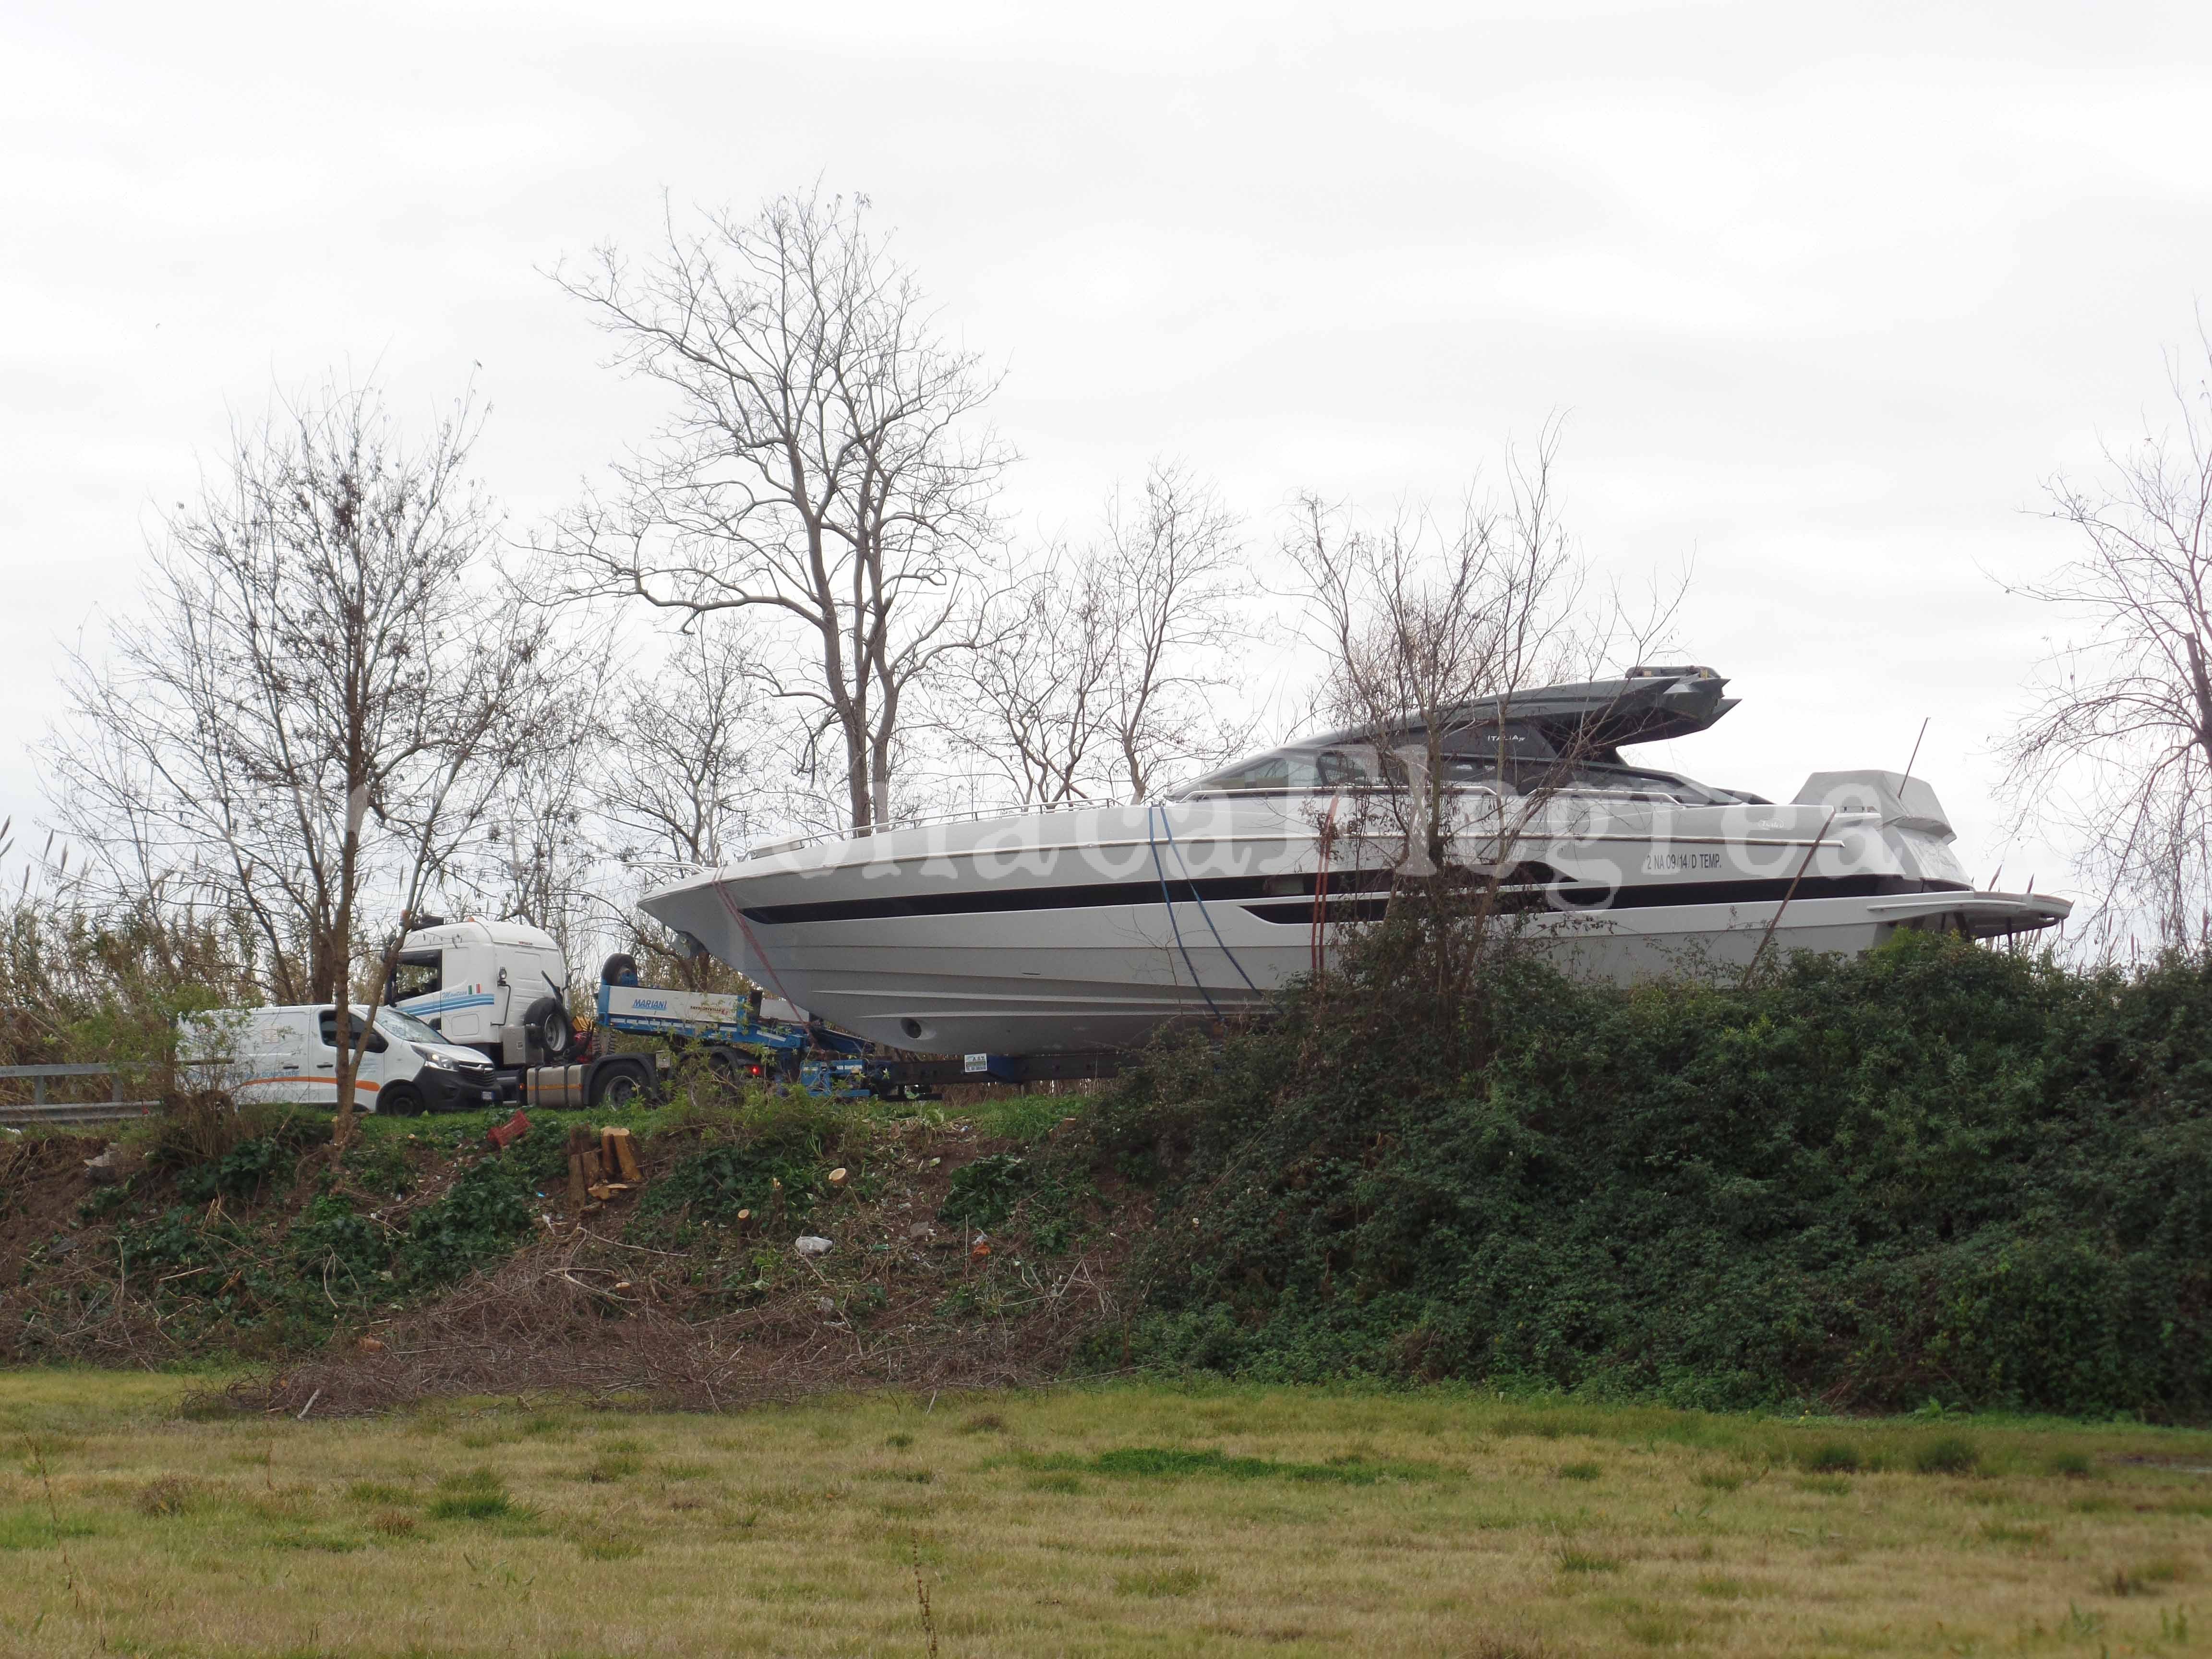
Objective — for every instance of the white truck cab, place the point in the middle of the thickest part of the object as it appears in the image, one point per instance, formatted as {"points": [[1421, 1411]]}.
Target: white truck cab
{"points": [[289, 1056], [500, 987]]}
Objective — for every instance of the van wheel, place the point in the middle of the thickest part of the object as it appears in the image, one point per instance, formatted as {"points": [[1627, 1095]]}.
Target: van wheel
{"points": [[399, 1100], [547, 1026]]}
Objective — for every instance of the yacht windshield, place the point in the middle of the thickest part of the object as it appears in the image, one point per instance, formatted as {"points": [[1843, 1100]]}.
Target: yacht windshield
{"points": [[1289, 772], [1579, 778], [1298, 771]]}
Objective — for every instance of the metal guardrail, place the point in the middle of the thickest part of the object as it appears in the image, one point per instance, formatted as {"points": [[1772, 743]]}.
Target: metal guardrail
{"points": [[39, 1109]]}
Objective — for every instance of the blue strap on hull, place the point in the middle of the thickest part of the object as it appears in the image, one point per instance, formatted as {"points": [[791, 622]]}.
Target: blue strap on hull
{"points": [[1160, 870], [1184, 865]]}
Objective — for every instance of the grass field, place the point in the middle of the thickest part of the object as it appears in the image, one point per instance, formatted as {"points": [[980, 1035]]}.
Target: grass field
{"points": [[1126, 1519]]}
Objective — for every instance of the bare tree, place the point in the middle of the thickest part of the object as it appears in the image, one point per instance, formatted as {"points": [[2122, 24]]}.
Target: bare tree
{"points": [[691, 776], [2118, 744], [539, 860], [1430, 628], [1033, 701], [1422, 618], [320, 701], [822, 464], [686, 779], [1181, 595], [1099, 669]]}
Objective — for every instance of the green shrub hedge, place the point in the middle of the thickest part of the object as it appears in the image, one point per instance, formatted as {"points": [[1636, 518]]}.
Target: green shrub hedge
{"points": [[1938, 1171]]}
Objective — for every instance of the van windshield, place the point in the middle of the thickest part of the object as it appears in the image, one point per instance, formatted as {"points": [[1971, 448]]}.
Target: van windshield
{"points": [[406, 1027]]}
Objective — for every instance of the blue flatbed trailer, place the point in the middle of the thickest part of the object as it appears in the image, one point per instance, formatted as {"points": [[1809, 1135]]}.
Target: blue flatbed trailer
{"points": [[739, 1040]]}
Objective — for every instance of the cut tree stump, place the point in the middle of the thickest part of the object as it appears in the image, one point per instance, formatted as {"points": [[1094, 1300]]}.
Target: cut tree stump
{"points": [[615, 1154], [579, 1142]]}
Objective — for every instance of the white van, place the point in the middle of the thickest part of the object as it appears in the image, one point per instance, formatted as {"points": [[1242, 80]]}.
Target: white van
{"points": [[289, 1054], [498, 987]]}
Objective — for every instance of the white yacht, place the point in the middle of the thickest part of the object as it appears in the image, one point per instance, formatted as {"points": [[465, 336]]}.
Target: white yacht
{"points": [[1055, 932]]}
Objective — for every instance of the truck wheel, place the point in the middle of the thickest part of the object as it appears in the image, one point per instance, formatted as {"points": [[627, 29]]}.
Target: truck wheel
{"points": [[620, 969], [619, 1087], [399, 1100], [547, 1024]]}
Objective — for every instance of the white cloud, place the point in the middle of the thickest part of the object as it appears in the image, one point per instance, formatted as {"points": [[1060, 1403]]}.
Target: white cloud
{"points": [[1824, 295]]}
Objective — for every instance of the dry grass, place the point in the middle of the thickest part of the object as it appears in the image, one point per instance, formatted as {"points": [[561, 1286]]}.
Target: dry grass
{"points": [[1085, 1522]]}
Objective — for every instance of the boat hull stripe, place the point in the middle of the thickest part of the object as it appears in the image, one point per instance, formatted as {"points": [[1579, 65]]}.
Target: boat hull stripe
{"points": [[1568, 896]]}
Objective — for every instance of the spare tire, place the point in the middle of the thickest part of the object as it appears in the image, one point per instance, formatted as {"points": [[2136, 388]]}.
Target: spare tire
{"points": [[547, 1028], [620, 969]]}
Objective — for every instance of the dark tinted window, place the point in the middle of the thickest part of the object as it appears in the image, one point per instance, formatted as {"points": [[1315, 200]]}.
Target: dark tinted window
{"points": [[326, 1021], [1267, 772]]}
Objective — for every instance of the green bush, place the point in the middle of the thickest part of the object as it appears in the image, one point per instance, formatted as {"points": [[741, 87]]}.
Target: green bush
{"points": [[218, 1146], [482, 1215], [984, 1194], [245, 1172], [332, 1243], [786, 1142], [1934, 1172]]}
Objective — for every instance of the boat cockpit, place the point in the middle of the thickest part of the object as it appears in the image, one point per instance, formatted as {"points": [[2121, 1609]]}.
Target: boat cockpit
{"points": [[1354, 768], [1561, 739]]}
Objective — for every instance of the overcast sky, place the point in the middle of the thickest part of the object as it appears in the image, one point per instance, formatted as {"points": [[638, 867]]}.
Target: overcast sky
{"points": [[1824, 293]]}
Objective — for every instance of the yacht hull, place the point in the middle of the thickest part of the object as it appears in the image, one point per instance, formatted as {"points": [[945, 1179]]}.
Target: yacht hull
{"points": [[1062, 932]]}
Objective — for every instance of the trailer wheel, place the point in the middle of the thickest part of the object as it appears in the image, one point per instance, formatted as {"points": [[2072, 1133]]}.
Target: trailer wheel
{"points": [[620, 969], [547, 1024], [619, 1086], [733, 1068]]}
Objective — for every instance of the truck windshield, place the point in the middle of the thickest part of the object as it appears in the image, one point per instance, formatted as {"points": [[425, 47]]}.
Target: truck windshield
{"points": [[417, 974], [406, 1027]]}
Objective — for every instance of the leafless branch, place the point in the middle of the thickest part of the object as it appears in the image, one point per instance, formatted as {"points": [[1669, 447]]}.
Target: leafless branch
{"points": [[2117, 744], [321, 696], [823, 472], [1100, 668]]}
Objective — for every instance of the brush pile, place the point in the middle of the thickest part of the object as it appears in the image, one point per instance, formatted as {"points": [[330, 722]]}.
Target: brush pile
{"points": [[583, 1314]]}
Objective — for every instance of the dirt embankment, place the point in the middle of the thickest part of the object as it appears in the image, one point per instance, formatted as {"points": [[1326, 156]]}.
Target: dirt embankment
{"points": [[953, 1259], [42, 1184]]}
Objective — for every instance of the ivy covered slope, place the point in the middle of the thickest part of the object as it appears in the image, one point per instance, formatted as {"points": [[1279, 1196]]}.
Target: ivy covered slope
{"points": [[232, 1232], [236, 1232], [1936, 1172]]}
